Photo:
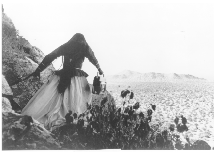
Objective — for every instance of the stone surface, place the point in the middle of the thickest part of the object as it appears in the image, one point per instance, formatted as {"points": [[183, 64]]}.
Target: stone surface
{"points": [[23, 133], [5, 87], [105, 98], [19, 59], [6, 106]]}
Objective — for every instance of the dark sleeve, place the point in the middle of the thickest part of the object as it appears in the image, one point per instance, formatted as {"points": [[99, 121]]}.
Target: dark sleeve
{"points": [[52, 56], [91, 57]]}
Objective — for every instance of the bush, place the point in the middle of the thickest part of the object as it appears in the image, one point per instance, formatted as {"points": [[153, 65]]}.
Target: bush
{"points": [[112, 130]]}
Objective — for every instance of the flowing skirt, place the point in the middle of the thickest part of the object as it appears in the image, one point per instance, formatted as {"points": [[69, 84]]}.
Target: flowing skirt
{"points": [[50, 107]]}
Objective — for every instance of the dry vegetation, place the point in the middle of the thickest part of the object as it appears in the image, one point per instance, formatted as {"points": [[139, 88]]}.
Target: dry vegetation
{"points": [[192, 100]]}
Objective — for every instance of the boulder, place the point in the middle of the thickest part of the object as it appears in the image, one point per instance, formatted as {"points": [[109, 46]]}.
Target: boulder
{"points": [[103, 99], [5, 87], [24, 133], [6, 106], [37, 54], [200, 145]]}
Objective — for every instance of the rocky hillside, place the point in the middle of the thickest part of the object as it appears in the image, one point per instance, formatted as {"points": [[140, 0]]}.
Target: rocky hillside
{"points": [[19, 59], [132, 76]]}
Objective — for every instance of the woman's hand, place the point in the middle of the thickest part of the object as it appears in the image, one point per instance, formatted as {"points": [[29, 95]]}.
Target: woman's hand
{"points": [[100, 71]]}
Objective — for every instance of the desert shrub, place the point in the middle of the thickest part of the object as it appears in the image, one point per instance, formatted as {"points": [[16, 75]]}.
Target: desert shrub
{"points": [[115, 129]]}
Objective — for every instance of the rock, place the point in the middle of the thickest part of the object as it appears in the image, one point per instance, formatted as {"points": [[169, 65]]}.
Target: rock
{"points": [[20, 132], [5, 87], [105, 99], [37, 54], [19, 59], [15, 106], [6, 106], [200, 145]]}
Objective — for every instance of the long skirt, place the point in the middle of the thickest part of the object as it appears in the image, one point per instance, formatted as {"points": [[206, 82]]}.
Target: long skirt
{"points": [[49, 107]]}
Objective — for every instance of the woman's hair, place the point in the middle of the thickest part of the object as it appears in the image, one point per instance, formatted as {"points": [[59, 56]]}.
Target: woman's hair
{"points": [[78, 37]]}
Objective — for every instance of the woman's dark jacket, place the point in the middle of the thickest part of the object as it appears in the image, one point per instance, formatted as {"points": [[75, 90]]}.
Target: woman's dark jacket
{"points": [[74, 54]]}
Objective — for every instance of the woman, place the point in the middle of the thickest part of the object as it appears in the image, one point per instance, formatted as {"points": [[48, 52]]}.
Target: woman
{"points": [[67, 89]]}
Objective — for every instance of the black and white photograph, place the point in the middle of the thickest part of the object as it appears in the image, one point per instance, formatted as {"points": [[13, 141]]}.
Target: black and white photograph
{"points": [[107, 75]]}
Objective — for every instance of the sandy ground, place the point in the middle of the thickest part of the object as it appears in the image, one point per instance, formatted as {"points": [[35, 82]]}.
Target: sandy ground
{"points": [[193, 100]]}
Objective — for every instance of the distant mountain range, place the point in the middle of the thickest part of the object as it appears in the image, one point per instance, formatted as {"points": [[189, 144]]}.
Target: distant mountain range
{"points": [[132, 76]]}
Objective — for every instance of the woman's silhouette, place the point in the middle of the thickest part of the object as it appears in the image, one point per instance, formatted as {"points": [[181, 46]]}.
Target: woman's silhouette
{"points": [[67, 89]]}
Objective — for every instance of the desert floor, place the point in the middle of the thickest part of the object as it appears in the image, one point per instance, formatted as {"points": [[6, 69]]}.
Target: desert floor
{"points": [[193, 100]]}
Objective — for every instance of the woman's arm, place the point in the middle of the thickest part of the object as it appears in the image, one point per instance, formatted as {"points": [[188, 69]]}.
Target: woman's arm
{"points": [[50, 57], [91, 57]]}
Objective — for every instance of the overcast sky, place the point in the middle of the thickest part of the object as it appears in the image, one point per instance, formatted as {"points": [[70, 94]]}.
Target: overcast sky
{"points": [[146, 37]]}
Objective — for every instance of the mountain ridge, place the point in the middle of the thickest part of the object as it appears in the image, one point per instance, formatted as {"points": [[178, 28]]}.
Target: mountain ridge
{"points": [[133, 76]]}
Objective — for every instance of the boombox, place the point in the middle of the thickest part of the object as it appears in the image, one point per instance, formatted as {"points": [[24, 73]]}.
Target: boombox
{"points": [[99, 84]]}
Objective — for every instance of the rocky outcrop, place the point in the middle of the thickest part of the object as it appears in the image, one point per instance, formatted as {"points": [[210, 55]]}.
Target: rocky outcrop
{"points": [[23, 133], [19, 59], [8, 104], [104, 99], [5, 87]]}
